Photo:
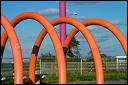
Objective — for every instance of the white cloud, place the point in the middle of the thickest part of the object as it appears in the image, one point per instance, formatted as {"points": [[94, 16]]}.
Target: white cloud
{"points": [[83, 2], [80, 17], [99, 35], [119, 22], [49, 12], [52, 12], [92, 27]]}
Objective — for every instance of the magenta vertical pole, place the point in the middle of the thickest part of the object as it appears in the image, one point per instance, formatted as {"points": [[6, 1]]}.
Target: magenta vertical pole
{"points": [[62, 13]]}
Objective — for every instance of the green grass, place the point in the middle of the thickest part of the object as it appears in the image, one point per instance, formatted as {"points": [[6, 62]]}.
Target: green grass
{"points": [[89, 76], [8, 81], [116, 75], [86, 76], [52, 78]]}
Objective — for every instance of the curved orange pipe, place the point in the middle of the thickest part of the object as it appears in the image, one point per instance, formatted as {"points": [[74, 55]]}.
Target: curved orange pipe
{"points": [[17, 56], [103, 23], [87, 35], [55, 40]]}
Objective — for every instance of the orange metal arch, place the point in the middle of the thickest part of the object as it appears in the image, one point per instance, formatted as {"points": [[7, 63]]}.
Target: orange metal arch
{"points": [[15, 46], [103, 23], [87, 35], [55, 40]]}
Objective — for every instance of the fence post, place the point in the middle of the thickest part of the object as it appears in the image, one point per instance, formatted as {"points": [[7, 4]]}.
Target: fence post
{"points": [[40, 66], [81, 66], [78, 66], [12, 68], [117, 64], [106, 66], [44, 67]]}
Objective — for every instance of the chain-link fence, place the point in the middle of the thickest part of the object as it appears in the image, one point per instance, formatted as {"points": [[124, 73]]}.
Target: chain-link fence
{"points": [[43, 67]]}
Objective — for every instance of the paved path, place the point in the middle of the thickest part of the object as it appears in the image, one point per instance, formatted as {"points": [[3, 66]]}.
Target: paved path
{"points": [[106, 82]]}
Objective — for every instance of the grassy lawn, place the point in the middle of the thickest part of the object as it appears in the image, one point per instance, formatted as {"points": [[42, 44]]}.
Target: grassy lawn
{"points": [[86, 76], [89, 76]]}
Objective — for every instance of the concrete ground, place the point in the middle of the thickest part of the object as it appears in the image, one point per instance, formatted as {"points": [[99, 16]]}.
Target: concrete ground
{"points": [[106, 82]]}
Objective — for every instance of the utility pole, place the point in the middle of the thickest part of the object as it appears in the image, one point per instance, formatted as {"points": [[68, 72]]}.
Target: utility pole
{"points": [[62, 13]]}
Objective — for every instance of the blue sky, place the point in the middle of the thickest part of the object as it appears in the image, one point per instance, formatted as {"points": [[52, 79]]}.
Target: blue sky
{"points": [[27, 31]]}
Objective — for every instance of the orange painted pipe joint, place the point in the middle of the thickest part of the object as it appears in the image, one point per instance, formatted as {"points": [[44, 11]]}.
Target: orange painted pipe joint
{"points": [[16, 50], [55, 40], [88, 22], [87, 35], [42, 34]]}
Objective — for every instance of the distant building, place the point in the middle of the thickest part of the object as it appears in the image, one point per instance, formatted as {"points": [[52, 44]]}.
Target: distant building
{"points": [[121, 59]]}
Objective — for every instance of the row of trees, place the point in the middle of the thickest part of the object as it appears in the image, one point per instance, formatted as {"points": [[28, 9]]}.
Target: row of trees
{"points": [[74, 52]]}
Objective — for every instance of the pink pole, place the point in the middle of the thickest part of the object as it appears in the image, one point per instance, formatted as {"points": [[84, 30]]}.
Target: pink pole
{"points": [[62, 11]]}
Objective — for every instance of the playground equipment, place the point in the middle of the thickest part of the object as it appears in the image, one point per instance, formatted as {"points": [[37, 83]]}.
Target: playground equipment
{"points": [[18, 65], [59, 48], [56, 42]]}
